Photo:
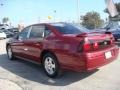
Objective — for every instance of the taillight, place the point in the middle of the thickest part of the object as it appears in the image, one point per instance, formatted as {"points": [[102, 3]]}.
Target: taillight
{"points": [[90, 46], [87, 47]]}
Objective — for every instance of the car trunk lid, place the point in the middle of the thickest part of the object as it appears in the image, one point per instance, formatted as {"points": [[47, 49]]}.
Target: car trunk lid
{"points": [[96, 41]]}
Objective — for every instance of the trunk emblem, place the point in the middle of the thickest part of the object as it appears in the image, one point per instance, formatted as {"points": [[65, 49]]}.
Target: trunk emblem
{"points": [[105, 43]]}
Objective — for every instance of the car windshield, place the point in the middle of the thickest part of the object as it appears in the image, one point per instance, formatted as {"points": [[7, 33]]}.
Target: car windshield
{"points": [[113, 25], [70, 28]]}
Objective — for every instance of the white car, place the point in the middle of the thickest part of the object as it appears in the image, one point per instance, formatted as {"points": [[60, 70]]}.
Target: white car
{"points": [[2, 35]]}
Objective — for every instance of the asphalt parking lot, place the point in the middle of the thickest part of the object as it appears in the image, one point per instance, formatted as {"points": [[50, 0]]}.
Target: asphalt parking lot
{"points": [[28, 76]]}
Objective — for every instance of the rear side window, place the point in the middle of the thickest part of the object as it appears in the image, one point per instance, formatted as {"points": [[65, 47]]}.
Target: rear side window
{"points": [[37, 31]]}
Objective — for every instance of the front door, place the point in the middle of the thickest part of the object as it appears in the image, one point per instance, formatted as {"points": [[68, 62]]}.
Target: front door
{"points": [[18, 45]]}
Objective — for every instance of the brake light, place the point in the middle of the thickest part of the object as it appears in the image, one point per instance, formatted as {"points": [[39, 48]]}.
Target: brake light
{"points": [[87, 47], [90, 46]]}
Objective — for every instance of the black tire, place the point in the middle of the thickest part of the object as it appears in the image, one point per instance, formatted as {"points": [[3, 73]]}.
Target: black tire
{"points": [[57, 71], [9, 49]]}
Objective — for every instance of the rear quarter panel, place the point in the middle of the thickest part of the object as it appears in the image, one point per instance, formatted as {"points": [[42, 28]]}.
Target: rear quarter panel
{"points": [[65, 49]]}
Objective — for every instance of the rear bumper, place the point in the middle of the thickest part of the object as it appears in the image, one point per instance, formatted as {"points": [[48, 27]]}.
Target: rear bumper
{"points": [[82, 62], [97, 59]]}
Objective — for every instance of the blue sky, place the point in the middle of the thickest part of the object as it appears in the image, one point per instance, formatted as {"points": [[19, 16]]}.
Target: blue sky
{"points": [[33, 11]]}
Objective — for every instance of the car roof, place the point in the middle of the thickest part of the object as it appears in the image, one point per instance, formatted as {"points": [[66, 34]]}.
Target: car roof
{"points": [[47, 23]]}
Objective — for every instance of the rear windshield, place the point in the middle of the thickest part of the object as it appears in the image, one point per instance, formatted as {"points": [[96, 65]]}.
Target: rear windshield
{"points": [[70, 28]]}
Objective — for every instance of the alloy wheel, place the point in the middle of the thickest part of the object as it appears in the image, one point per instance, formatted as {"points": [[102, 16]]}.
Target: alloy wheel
{"points": [[49, 65]]}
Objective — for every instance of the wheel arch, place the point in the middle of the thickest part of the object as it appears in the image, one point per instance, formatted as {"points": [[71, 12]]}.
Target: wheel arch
{"points": [[44, 52]]}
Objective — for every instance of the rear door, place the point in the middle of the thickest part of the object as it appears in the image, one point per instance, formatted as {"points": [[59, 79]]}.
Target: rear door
{"points": [[34, 45]]}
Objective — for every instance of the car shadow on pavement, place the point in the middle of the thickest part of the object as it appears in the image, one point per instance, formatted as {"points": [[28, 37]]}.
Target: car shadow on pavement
{"points": [[35, 73]]}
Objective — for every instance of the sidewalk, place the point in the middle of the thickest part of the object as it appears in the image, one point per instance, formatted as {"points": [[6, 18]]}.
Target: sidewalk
{"points": [[8, 85]]}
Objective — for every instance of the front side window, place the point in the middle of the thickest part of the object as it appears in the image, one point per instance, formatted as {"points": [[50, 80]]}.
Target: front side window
{"points": [[24, 34], [37, 31]]}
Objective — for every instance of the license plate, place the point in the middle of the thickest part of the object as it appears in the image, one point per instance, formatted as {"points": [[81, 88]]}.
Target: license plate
{"points": [[108, 55]]}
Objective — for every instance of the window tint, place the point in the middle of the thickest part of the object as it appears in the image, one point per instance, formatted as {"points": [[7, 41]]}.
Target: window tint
{"points": [[24, 34], [47, 31], [70, 28], [113, 25], [37, 31]]}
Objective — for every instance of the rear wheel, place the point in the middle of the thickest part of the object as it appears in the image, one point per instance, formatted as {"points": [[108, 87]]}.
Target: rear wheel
{"points": [[10, 53], [51, 66]]}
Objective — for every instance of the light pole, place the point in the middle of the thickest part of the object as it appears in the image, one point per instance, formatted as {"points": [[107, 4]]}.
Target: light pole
{"points": [[54, 15], [1, 4], [78, 14]]}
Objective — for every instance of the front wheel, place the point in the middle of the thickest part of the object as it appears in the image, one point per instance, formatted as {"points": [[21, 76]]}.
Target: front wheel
{"points": [[10, 53], [51, 66]]}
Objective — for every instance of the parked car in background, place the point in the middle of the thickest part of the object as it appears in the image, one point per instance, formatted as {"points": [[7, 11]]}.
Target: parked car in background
{"points": [[8, 33], [14, 30], [4, 26], [2, 35], [114, 28], [63, 46]]}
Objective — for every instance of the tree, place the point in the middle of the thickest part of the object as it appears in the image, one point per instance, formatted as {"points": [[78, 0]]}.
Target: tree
{"points": [[92, 20], [5, 20]]}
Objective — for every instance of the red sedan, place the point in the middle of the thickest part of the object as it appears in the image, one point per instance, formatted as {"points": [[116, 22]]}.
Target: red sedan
{"points": [[63, 46]]}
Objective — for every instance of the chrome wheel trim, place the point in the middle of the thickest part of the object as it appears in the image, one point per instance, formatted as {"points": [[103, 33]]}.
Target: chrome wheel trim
{"points": [[49, 65]]}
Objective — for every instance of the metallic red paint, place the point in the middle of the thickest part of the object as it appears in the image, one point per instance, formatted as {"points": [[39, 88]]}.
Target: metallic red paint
{"points": [[66, 49]]}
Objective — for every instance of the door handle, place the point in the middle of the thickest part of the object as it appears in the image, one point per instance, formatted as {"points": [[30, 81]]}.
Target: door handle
{"points": [[25, 49], [37, 43]]}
